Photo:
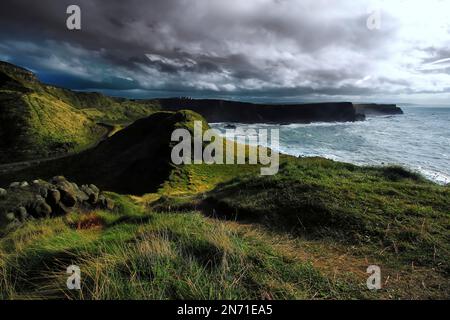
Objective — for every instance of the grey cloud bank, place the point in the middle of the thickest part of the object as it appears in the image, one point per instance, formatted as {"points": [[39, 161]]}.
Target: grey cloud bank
{"points": [[249, 50]]}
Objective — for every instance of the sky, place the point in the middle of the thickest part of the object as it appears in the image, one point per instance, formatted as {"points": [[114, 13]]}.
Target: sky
{"points": [[254, 50]]}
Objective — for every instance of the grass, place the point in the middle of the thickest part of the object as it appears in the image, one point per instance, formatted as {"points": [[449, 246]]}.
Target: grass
{"points": [[136, 254], [39, 121], [37, 125], [224, 231], [384, 214], [195, 179], [125, 162], [379, 209]]}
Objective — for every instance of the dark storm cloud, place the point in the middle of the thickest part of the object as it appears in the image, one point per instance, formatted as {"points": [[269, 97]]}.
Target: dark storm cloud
{"points": [[240, 48]]}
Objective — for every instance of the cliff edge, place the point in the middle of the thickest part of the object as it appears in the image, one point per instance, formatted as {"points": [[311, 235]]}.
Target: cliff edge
{"points": [[244, 112], [372, 109]]}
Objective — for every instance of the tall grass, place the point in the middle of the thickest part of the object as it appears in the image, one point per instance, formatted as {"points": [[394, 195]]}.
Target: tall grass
{"points": [[170, 256]]}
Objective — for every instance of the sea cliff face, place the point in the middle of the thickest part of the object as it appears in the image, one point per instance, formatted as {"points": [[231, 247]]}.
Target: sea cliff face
{"points": [[373, 109], [242, 112]]}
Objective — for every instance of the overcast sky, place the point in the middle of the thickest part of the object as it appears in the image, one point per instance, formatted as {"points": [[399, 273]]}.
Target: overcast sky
{"points": [[271, 50]]}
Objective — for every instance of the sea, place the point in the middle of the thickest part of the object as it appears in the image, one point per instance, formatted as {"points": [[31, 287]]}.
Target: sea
{"points": [[418, 140]]}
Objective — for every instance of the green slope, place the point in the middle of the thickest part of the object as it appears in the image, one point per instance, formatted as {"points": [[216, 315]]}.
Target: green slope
{"points": [[224, 231], [36, 126], [135, 160], [40, 121], [387, 209], [137, 254]]}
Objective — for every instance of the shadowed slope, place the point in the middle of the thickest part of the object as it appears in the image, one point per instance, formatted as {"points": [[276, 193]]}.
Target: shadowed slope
{"points": [[135, 160]]}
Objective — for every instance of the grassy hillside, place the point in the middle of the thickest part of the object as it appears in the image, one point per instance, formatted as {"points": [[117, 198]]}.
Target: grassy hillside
{"points": [[387, 209], [135, 160], [224, 231], [39, 121], [105, 109], [135, 254], [35, 125], [143, 252], [381, 215]]}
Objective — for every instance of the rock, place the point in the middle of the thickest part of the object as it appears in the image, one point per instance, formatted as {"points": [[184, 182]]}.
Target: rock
{"points": [[24, 184], [21, 213], [106, 203], [14, 185], [55, 180], [67, 190], [39, 208], [10, 216], [94, 188], [75, 186], [92, 193], [43, 192], [53, 197], [42, 199], [82, 197], [109, 205], [93, 198], [61, 209], [68, 198]]}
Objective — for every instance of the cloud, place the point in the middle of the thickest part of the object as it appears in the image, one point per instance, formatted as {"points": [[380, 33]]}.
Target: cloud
{"points": [[276, 49], [436, 65]]}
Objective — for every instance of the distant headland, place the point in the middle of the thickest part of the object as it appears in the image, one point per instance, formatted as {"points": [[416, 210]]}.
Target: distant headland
{"points": [[243, 112]]}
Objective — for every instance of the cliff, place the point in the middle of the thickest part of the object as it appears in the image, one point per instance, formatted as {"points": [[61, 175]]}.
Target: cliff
{"points": [[242, 112], [373, 109]]}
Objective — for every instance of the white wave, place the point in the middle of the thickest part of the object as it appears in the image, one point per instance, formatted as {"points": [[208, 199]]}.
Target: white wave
{"points": [[419, 140], [436, 176]]}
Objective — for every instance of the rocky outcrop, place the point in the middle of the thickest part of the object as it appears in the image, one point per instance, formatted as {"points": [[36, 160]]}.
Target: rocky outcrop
{"points": [[23, 201], [19, 73], [373, 109], [3, 193], [242, 112]]}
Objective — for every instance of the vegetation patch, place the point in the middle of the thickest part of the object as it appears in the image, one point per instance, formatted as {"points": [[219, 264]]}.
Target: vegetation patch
{"points": [[320, 198], [42, 121]]}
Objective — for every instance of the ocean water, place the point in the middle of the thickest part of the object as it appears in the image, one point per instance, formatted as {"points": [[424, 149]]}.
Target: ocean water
{"points": [[419, 140]]}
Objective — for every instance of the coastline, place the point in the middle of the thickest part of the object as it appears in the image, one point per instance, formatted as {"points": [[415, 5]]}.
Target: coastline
{"points": [[378, 141]]}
